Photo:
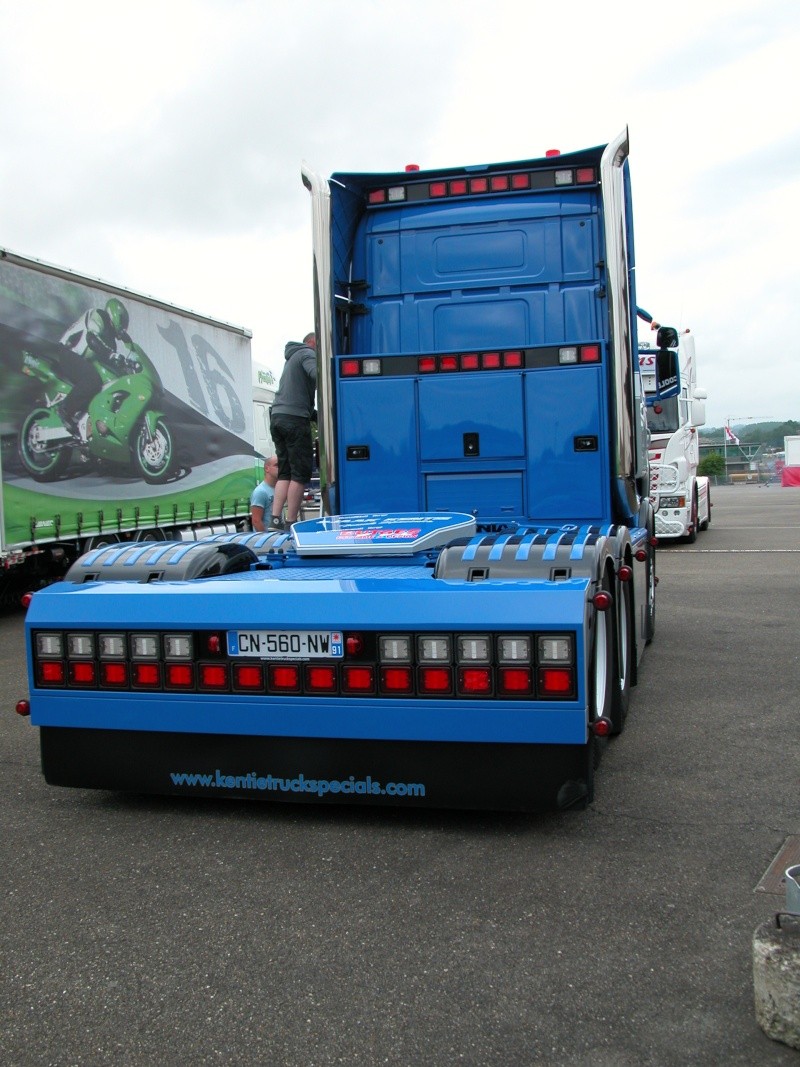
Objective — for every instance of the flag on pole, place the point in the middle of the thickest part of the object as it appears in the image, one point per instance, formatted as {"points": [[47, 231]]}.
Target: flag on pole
{"points": [[730, 436]]}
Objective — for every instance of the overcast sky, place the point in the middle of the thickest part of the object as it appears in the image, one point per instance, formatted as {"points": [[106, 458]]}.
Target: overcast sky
{"points": [[158, 145]]}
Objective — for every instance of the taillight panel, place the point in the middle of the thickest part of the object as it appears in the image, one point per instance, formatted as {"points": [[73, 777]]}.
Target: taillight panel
{"points": [[434, 665]]}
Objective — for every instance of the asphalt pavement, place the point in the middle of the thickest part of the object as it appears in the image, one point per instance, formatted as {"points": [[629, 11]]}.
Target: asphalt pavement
{"points": [[139, 931]]}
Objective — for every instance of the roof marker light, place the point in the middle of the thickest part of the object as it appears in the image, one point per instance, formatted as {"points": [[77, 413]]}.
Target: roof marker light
{"points": [[551, 153]]}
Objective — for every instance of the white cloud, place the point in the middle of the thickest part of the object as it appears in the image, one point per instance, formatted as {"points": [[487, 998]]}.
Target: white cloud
{"points": [[159, 145]]}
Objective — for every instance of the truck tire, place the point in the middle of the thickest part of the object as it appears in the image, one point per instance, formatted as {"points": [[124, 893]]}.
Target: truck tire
{"points": [[624, 659], [153, 456], [602, 669], [42, 463], [704, 525], [691, 537]]}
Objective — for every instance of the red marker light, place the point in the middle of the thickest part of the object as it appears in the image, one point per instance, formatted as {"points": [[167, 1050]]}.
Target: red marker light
{"points": [[625, 573], [23, 707], [26, 599], [411, 167], [601, 727], [551, 153], [602, 600]]}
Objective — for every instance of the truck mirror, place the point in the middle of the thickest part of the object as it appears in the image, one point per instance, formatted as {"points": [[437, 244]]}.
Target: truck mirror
{"points": [[667, 337], [698, 413]]}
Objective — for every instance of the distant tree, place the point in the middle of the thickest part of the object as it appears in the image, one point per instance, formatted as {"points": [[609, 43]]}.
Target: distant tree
{"points": [[712, 465]]}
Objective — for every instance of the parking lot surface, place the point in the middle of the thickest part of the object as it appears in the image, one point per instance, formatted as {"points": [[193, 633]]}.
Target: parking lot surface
{"points": [[161, 931]]}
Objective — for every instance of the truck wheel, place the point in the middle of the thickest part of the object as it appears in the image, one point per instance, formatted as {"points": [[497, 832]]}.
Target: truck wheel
{"points": [[621, 692], [601, 677], [650, 610], [42, 463], [704, 525], [691, 537], [153, 455]]}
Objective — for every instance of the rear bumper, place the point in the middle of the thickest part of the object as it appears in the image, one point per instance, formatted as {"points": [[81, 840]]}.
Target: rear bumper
{"points": [[483, 776]]}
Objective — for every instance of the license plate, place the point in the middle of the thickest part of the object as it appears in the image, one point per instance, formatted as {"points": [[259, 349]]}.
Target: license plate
{"points": [[286, 644]]}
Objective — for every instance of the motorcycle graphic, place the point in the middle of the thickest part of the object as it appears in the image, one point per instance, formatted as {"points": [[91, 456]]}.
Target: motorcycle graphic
{"points": [[122, 424]]}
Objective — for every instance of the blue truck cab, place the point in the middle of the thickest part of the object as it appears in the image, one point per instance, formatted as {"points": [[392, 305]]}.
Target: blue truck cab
{"points": [[462, 625]]}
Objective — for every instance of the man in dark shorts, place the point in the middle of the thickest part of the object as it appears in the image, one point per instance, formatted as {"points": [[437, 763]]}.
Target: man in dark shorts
{"points": [[290, 426]]}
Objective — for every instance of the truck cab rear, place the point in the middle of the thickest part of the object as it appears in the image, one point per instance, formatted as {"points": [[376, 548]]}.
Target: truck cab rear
{"points": [[465, 621]]}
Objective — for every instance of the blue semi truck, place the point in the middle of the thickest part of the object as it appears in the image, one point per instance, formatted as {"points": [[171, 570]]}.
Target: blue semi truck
{"points": [[462, 625]]}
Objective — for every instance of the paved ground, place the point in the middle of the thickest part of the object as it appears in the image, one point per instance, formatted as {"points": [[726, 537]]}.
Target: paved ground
{"points": [[145, 931]]}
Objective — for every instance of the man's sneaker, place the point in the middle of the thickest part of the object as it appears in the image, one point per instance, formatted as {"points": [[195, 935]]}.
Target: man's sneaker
{"points": [[276, 524]]}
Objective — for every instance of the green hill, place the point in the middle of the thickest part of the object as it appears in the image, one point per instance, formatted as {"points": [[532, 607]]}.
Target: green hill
{"points": [[754, 433]]}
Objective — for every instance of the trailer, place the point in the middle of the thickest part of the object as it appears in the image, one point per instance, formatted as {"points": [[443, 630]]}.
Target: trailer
{"points": [[122, 419], [680, 496], [463, 624]]}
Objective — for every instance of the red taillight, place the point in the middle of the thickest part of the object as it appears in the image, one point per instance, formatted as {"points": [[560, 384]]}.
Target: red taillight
{"points": [[349, 368], [555, 681], [499, 183], [321, 679], [435, 680], [113, 673], [213, 675], [448, 363], [51, 672], [358, 679], [146, 675], [284, 678], [512, 359], [478, 185], [520, 181], [376, 196], [458, 187], [82, 672], [396, 681], [514, 680], [426, 364], [590, 354], [179, 675], [470, 361], [490, 360], [248, 676], [584, 175], [437, 189], [474, 681], [354, 644], [214, 644]]}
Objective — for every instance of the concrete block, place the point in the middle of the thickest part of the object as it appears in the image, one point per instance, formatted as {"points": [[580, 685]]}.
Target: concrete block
{"points": [[776, 978]]}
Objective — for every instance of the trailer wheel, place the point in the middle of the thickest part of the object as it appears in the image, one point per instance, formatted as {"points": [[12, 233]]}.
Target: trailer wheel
{"points": [[621, 692], [42, 463]]}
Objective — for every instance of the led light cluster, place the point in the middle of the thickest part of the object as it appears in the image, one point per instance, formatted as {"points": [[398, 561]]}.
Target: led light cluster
{"points": [[508, 666], [518, 181]]}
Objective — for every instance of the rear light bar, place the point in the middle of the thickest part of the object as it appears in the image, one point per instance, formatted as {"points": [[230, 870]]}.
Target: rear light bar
{"points": [[483, 185], [522, 666], [469, 362]]}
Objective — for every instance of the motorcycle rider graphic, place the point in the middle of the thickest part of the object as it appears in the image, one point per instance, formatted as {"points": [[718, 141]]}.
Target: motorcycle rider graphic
{"points": [[95, 336]]}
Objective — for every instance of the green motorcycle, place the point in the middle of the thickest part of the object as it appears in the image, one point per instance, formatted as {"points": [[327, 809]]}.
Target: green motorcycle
{"points": [[122, 424]]}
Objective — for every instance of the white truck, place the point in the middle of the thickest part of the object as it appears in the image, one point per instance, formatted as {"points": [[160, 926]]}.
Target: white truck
{"points": [[122, 418], [681, 498]]}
